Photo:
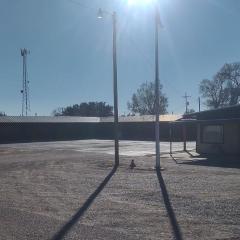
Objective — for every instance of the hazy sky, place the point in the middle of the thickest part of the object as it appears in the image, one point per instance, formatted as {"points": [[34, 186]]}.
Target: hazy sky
{"points": [[71, 50]]}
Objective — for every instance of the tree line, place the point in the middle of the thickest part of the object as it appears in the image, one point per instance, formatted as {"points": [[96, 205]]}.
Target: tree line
{"points": [[86, 109], [142, 102]]}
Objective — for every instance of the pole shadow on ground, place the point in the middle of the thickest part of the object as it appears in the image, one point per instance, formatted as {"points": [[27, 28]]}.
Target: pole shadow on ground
{"points": [[173, 158], [213, 161], [189, 153], [62, 232], [174, 224]]}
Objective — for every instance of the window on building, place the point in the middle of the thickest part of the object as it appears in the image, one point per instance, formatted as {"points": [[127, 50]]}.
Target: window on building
{"points": [[212, 134]]}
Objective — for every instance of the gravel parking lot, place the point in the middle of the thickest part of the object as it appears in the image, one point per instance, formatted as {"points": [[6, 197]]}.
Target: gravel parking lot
{"points": [[70, 190]]}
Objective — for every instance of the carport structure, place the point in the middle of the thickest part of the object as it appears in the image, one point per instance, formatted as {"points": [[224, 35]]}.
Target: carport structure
{"points": [[182, 130]]}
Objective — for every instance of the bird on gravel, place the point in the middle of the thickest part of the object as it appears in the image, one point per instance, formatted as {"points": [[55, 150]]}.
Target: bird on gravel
{"points": [[132, 164]]}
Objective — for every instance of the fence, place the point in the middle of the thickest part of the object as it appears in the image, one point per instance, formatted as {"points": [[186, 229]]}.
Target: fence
{"points": [[30, 131]]}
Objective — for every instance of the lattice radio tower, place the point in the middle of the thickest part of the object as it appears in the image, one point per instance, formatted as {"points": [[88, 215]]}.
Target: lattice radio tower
{"points": [[25, 84]]}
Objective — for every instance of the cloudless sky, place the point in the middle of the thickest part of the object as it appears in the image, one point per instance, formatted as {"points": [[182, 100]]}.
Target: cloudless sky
{"points": [[71, 50]]}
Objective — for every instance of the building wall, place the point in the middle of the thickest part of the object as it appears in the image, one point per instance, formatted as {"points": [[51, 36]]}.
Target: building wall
{"points": [[29, 132], [230, 145], [232, 139]]}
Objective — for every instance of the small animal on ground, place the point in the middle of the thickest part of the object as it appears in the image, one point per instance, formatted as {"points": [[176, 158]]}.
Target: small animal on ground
{"points": [[132, 165]]}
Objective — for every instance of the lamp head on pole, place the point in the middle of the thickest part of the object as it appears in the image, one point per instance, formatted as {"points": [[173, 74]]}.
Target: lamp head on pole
{"points": [[100, 13]]}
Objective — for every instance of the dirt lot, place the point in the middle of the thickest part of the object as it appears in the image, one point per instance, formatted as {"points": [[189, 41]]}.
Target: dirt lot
{"points": [[70, 190]]}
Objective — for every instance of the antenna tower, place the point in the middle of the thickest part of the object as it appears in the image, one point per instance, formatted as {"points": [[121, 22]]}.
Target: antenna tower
{"points": [[25, 84]]}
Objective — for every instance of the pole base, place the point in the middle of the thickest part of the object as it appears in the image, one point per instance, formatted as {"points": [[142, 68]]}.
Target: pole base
{"points": [[159, 168]]}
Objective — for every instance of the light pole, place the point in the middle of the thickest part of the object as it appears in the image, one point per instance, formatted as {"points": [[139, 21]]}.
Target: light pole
{"points": [[157, 81], [157, 90], [115, 91]]}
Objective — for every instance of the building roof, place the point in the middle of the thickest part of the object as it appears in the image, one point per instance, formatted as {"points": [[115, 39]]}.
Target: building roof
{"points": [[144, 118], [45, 119], [66, 119], [232, 112]]}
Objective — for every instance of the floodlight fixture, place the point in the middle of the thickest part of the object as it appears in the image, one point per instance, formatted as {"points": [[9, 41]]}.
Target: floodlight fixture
{"points": [[100, 13]]}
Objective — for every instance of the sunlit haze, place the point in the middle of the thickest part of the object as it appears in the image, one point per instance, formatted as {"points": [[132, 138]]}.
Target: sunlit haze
{"points": [[140, 2], [70, 58]]}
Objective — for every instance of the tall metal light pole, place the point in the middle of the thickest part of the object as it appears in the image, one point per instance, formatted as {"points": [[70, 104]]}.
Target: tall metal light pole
{"points": [[115, 90], [157, 89]]}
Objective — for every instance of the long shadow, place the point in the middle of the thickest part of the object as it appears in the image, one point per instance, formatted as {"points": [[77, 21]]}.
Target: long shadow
{"points": [[214, 161], [75, 218], [174, 224], [189, 153], [173, 158]]}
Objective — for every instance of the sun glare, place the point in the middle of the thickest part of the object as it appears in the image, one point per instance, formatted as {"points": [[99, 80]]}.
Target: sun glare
{"points": [[139, 2]]}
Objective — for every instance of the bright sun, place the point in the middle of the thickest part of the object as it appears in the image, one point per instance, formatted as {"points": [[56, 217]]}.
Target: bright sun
{"points": [[139, 2]]}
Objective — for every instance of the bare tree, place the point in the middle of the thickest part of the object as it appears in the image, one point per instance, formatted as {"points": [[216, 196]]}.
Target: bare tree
{"points": [[143, 101], [58, 112], [224, 88], [230, 73], [214, 91]]}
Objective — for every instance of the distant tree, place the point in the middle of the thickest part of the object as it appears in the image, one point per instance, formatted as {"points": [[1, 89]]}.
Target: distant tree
{"points": [[90, 109], [2, 114], [58, 112], [230, 73], [191, 110], [215, 92], [143, 101], [224, 88]]}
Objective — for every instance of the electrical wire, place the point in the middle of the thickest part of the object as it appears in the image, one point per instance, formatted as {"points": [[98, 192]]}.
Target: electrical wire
{"points": [[144, 56], [82, 5], [148, 61]]}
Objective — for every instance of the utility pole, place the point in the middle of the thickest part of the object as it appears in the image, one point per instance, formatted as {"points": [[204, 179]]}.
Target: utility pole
{"points": [[115, 79], [186, 102], [199, 104], [157, 90], [115, 89], [25, 84]]}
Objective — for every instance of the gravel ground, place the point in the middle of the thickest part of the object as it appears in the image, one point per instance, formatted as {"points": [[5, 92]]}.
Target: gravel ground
{"points": [[70, 190]]}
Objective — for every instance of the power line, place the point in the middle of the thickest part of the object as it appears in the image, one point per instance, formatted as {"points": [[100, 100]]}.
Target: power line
{"points": [[134, 44], [83, 5], [149, 63]]}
